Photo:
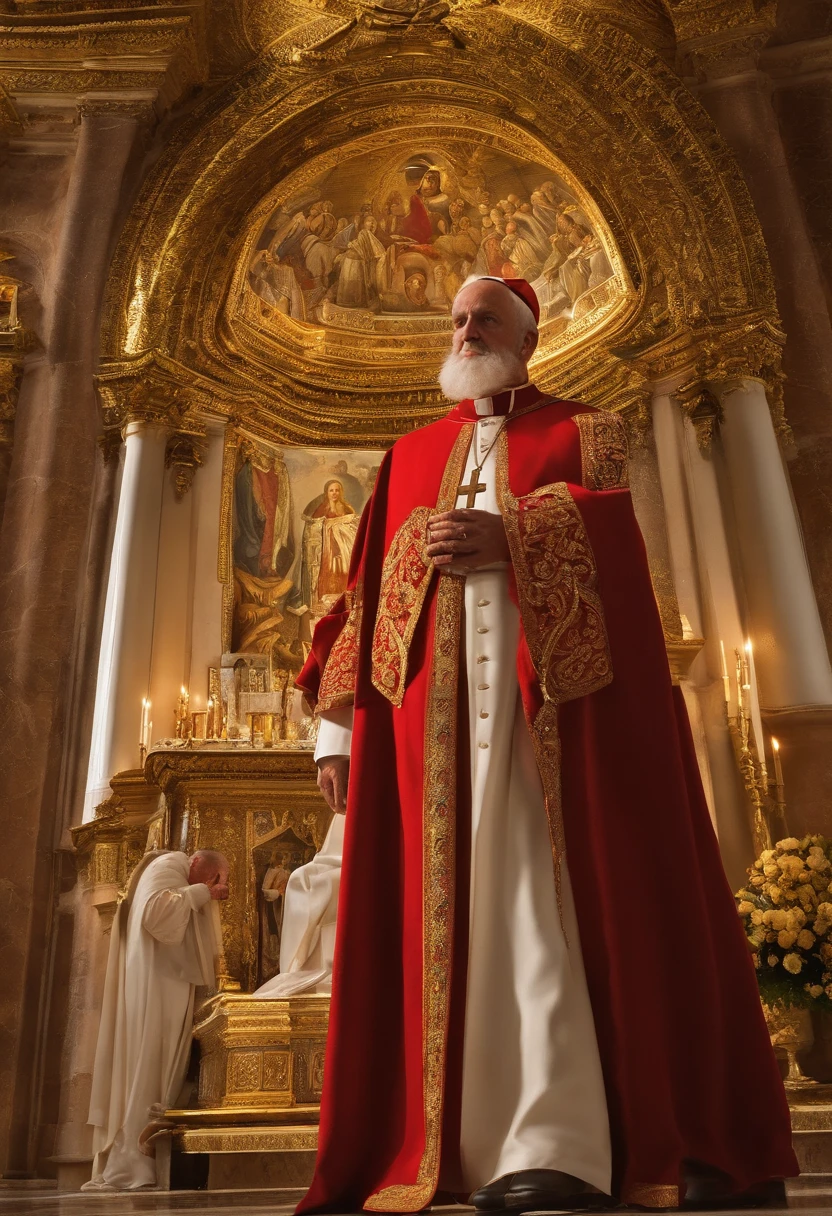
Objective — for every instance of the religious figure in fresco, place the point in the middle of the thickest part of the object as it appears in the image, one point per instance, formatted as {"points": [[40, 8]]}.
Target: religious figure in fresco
{"points": [[403, 239], [329, 534], [263, 547], [287, 852]]}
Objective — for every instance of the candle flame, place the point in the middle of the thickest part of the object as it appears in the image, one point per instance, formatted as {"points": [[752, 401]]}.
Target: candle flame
{"points": [[748, 646], [775, 743], [183, 690]]}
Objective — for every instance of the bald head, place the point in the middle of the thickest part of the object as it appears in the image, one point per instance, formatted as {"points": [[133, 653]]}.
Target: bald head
{"points": [[208, 866]]}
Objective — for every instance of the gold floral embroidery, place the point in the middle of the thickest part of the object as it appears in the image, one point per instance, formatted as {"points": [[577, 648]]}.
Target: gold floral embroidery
{"points": [[604, 450], [337, 687], [651, 1195], [438, 862], [405, 579], [562, 616]]}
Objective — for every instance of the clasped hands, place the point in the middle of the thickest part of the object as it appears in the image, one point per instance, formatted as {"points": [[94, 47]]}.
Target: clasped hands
{"points": [[467, 540]]}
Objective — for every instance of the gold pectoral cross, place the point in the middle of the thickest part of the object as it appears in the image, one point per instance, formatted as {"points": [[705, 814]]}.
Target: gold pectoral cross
{"points": [[474, 487]]}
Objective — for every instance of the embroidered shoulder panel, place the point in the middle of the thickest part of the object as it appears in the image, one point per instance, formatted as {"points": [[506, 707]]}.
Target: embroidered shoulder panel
{"points": [[405, 579], [604, 450], [563, 618], [341, 672]]}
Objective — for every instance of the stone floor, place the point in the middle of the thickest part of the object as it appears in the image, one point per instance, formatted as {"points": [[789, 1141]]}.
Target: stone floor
{"points": [[810, 1195]]}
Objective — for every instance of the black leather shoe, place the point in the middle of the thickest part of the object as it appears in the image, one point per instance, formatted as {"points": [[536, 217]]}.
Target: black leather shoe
{"points": [[545, 1190], [491, 1197], [709, 1190]]}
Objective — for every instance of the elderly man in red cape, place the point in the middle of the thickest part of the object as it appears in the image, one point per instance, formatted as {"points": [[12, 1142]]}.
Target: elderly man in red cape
{"points": [[541, 990]]}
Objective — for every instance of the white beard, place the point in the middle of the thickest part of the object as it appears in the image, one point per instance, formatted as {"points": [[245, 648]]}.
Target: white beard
{"points": [[481, 376]]}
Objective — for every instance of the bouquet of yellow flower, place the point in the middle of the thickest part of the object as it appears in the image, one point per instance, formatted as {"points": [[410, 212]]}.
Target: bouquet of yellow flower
{"points": [[786, 910]]}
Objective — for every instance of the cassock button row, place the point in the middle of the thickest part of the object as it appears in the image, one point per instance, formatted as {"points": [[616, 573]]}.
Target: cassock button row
{"points": [[482, 629], [483, 687], [483, 713], [483, 745], [483, 603], [482, 658]]}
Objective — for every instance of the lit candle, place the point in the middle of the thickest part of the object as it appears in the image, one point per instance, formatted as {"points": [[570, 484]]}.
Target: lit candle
{"points": [[778, 768], [726, 683], [211, 730]]}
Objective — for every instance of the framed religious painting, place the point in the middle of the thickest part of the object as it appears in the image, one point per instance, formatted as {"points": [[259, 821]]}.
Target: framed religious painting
{"points": [[290, 517]]}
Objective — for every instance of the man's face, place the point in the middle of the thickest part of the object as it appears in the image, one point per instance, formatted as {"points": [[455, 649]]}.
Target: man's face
{"points": [[485, 321]]}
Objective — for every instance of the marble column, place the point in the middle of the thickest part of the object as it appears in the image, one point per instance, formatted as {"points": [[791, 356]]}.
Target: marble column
{"points": [[705, 587], [740, 103], [790, 650], [44, 544], [124, 666]]}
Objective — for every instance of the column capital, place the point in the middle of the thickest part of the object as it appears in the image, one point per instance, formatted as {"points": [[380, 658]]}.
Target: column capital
{"points": [[719, 40], [151, 395], [728, 361]]}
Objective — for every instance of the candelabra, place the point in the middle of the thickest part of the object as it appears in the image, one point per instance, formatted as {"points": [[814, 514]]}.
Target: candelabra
{"points": [[768, 814]]}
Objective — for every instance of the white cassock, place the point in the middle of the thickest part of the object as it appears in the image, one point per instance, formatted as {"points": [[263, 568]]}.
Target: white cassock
{"points": [[163, 946], [307, 941], [532, 1088]]}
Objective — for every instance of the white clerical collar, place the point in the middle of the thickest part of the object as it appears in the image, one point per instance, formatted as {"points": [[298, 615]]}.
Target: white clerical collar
{"points": [[485, 405]]}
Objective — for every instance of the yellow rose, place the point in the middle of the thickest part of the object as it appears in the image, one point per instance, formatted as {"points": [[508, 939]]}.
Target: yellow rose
{"points": [[786, 938], [772, 960], [805, 939], [771, 869], [756, 917], [766, 856], [776, 918], [814, 990], [817, 861], [790, 867], [793, 963], [745, 907], [789, 843]]}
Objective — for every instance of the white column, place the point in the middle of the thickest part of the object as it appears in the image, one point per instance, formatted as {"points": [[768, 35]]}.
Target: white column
{"points": [[704, 577], [127, 635], [206, 627], [188, 627], [669, 437], [791, 654]]}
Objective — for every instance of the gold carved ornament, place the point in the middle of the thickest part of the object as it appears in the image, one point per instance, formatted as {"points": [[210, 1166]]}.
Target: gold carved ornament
{"points": [[562, 617], [439, 859]]}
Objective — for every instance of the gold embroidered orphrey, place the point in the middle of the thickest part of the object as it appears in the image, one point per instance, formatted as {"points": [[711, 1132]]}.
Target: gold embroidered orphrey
{"points": [[562, 617], [405, 578], [604, 451], [337, 688], [438, 860]]}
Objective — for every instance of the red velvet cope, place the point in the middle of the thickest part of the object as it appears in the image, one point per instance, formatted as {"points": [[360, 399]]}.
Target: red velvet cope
{"points": [[687, 1062]]}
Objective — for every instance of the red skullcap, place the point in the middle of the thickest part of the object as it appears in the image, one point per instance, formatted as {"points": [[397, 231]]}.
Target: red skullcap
{"points": [[522, 289]]}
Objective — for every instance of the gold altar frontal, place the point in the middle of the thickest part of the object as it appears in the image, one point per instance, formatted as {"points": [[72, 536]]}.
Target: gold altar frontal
{"points": [[261, 1060]]}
